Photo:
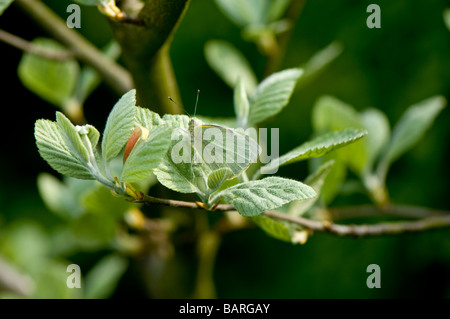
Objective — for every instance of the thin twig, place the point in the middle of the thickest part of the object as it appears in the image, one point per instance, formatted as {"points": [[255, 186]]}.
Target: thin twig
{"points": [[29, 47], [113, 74], [436, 219]]}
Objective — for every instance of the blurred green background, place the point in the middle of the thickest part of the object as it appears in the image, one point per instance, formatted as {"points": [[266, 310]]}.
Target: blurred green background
{"points": [[404, 62]]}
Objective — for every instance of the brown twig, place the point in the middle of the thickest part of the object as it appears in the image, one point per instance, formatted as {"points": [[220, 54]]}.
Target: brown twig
{"points": [[29, 47], [435, 219]]}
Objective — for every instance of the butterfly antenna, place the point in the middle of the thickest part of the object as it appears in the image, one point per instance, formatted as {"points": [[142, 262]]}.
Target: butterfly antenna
{"points": [[196, 102], [178, 105]]}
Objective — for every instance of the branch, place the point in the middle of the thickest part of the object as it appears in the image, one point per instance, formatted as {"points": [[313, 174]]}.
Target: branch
{"points": [[436, 219], [145, 50], [113, 74], [29, 47]]}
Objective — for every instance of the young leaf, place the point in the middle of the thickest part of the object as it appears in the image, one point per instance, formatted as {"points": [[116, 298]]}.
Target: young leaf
{"points": [[230, 64], [104, 276], [147, 118], [4, 4], [243, 12], [317, 147], [72, 137], [273, 228], [254, 197], [410, 129], [272, 95], [119, 126], [241, 104], [146, 155], [218, 177], [53, 148], [52, 80], [316, 181]]}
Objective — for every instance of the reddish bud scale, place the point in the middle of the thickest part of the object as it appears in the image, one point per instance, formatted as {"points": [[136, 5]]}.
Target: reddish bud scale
{"points": [[137, 132]]}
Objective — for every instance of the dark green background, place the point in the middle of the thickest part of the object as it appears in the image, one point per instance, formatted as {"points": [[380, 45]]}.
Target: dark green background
{"points": [[404, 62]]}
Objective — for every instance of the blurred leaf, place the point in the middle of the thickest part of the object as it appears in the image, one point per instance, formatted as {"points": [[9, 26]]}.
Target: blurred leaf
{"points": [[51, 282], [273, 228], [447, 18], [331, 114], [24, 244], [316, 181], [272, 95], [54, 149], [119, 126], [89, 79], [4, 4], [241, 104], [94, 231], [100, 201], [58, 197], [146, 155], [252, 198], [317, 147], [52, 80], [377, 125], [230, 64], [319, 62], [276, 9], [103, 278], [410, 129]]}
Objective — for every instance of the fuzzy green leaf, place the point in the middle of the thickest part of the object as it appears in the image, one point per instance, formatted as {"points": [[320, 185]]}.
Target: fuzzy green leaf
{"points": [[146, 155], [254, 197], [72, 137], [61, 157], [272, 95], [52, 80], [147, 118], [230, 64], [317, 147], [218, 177], [102, 279], [119, 126]]}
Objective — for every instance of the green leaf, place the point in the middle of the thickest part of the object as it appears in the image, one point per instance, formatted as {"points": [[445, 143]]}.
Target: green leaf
{"points": [[147, 118], [218, 177], [273, 228], [103, 278], [272, 95], [146, 155], [244, 12], [119, 126], [72, 137], [58, 197], [241, 104], [377, 125], [4, 4], [317, 147], [410, 129], [319, 62], [276, 9], [53, 148], [230, 64], [52, 80], [331, 114], [316, 181], [254, 197]]}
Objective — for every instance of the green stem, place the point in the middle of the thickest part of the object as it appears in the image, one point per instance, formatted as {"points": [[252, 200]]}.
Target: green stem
{"points": [[113, 74]]}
